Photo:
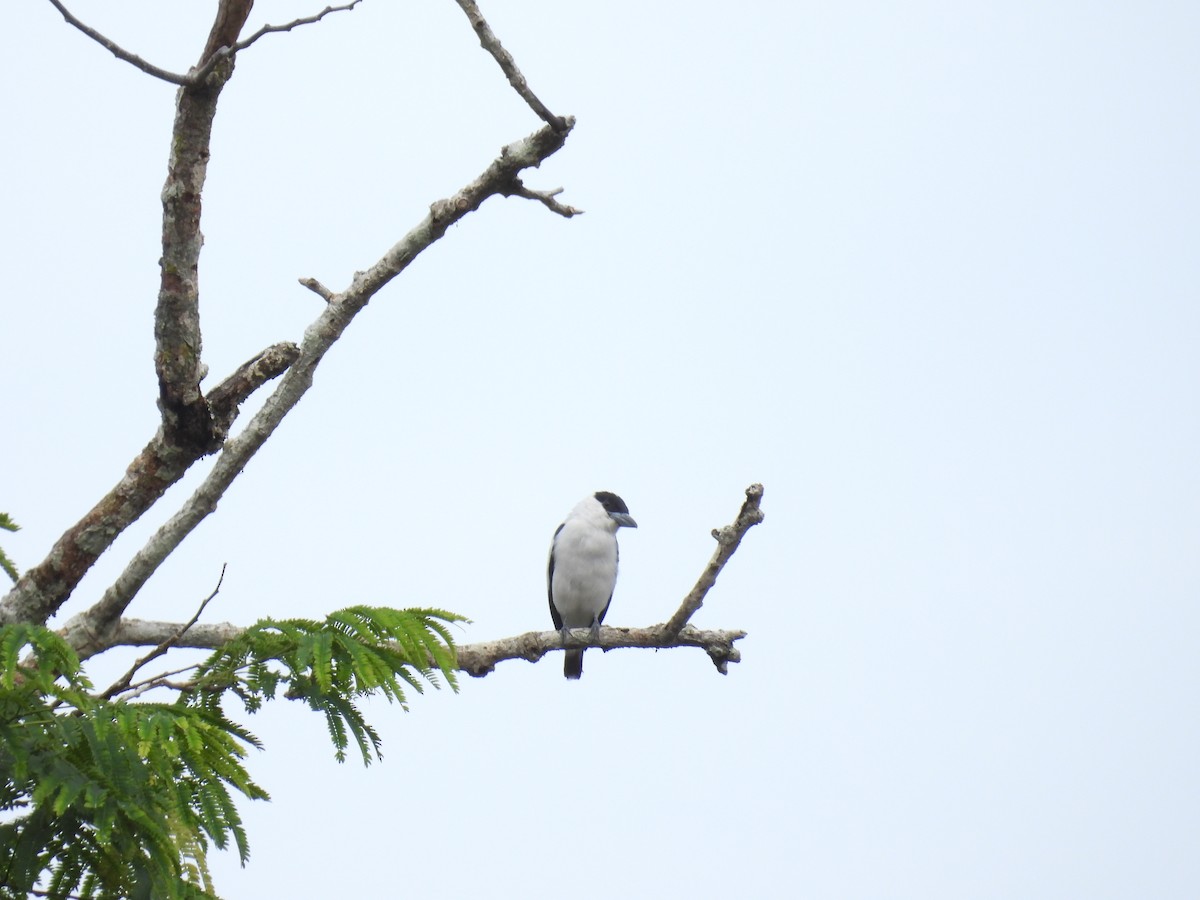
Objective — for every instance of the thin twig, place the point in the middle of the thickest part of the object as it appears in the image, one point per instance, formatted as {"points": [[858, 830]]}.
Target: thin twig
{"points": [[728, 539], [195, 76], [519, 189], [508, 65], [161, 677], [326, 329], [295, 23], [137, 688], [120, 52], [319, 289], [124, 681], [201, 73], [153, 684]]}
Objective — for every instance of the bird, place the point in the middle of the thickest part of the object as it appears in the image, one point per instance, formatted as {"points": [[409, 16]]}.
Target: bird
{"points": [[583, 568]]}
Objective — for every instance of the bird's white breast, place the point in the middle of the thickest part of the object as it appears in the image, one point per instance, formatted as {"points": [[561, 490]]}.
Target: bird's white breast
{"points": [[585, 572]]}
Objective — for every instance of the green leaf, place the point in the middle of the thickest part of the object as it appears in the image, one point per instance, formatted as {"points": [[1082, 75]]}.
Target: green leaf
{"points": [[355, 652], [7, 524], [109, 798], [112, 798]]}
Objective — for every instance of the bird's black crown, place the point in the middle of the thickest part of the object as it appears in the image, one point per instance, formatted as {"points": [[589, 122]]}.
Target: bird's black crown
{"points": [[611, 502]]}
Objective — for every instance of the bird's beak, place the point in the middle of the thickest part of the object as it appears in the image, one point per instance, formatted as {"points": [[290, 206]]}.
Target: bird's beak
{"points": [[623, 520]]}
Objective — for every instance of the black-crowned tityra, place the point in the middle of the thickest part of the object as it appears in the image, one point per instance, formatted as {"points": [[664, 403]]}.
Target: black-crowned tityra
{"points": [[583, 568]]}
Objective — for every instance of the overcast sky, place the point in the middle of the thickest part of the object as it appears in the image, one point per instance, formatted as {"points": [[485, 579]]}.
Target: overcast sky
{"points": [[926, 270]]}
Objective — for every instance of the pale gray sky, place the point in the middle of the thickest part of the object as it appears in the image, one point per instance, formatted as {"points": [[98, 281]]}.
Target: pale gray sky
{"points": [[926, 270]]}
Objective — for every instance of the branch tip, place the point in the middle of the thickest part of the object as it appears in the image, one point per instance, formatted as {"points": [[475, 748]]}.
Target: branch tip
{"points": [[223, 41], [728, 539], [546, 198], [319, 289], [120, 52], [490, 43]]}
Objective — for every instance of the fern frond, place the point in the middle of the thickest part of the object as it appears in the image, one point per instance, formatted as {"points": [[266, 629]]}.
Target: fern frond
{"points": [[52, 657], [7, 524], [114, 799], [356, 652], [9, 567]]}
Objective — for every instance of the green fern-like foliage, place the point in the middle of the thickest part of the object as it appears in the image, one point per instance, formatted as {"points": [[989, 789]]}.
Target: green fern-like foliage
{"points": [[356, 652], [7, 524], [110, 798]]}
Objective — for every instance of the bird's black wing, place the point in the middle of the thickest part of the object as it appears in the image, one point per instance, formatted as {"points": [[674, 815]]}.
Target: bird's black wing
{"points": [[555, 617], [604, 612]]}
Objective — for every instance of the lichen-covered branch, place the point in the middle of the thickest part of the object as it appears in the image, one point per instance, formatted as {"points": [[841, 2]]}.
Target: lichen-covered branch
{"points": [[186, 416], [193, 424], [45, 587], [227, 26], [482, 658], [145, 633], [225, 399], [318, 338], [475, 659]]}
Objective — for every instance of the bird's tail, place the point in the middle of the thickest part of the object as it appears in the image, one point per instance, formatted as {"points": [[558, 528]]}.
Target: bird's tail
{"points": [[573, 663]]}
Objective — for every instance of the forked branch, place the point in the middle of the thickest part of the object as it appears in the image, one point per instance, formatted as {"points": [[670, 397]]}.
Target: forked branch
{"points": [[88, 632], [229, 49], [164, 645], [222, 42]]}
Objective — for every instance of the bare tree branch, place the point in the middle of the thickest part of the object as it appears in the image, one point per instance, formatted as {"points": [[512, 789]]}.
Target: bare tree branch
{"points": [[728, 539], [225, 399], [295, 23], [227, 26], [518, 189], [144, 633], [508, 65], [43, 588], [222, 40], [475, 659], [318, 338], [120, 52], [319, 289], [124, 681], [195, 425], [482, 658], [231, 48], [159, 680], [186, 416]]}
